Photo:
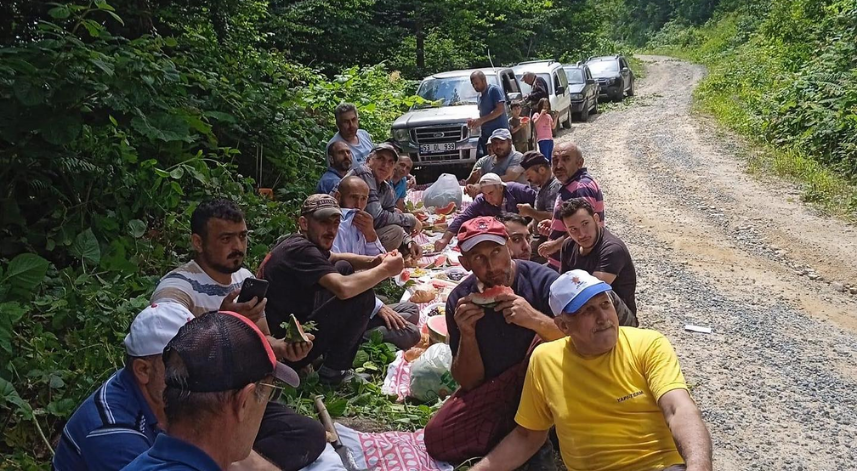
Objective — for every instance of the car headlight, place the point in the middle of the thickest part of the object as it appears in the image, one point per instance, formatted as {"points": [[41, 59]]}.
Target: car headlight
{"points": [[576, 96], [476, 132], [616, 80], [401, 135]]}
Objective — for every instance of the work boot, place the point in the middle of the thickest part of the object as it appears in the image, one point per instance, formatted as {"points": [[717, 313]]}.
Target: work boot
{"points": [[543, 460], [333, 378]]}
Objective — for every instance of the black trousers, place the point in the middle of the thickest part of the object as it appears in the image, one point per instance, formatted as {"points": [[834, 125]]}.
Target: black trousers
{"points": [[340, 325], [404, 338], [287, 439]]}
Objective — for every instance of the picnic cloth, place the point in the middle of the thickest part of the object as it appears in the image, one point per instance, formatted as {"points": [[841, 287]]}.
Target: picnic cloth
{"points": [[398, 379], [386, 451], [390, 451]]}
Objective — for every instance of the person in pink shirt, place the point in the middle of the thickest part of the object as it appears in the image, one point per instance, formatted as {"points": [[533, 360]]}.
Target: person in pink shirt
{"points": [[544, 127]]}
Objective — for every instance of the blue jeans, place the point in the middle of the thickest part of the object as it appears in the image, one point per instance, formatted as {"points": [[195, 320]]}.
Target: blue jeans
{"points": [[546, 148]]}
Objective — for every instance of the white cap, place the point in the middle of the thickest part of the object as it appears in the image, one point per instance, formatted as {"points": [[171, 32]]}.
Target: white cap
{"points": [[491, 179], [572, 290], [154, 327]]}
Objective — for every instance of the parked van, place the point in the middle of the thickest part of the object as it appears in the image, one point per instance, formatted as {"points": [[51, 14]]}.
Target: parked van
{"points": [[436, 133], [557, 81]]}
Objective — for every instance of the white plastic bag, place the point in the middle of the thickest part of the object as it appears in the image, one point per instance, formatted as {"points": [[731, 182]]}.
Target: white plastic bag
{"points": [[430, 376], [445, 190]]}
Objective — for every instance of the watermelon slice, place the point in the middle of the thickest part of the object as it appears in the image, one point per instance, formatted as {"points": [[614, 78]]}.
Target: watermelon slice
{"points": [[294, 332], [488, 297], [448, 209]]}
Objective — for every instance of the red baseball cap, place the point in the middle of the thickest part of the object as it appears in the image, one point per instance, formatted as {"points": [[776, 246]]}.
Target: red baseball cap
{"points": [[479, 230]]}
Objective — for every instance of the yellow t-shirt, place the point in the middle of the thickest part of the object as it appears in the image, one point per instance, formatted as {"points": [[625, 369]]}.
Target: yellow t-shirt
{"points": [[605, 408]]}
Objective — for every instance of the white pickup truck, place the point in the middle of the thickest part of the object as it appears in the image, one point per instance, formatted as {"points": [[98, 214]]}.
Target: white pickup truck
{"points": [[436, 134]]}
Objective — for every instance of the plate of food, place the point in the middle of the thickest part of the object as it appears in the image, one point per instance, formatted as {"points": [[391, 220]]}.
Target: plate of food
{"points": [[455, 274], [436, 309]]}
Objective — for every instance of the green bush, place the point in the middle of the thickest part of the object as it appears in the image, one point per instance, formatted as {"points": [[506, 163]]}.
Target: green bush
{"points": [[107, 144], [783, 73]]}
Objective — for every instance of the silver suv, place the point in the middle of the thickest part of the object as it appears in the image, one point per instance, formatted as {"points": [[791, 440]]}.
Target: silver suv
{"points": [[436, 133]]}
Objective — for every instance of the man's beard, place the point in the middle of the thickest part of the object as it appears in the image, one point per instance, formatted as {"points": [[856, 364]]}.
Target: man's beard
{"points": [[226, 269]]}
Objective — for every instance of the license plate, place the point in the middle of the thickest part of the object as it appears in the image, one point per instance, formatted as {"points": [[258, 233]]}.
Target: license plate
{"points": [[436, 148]]}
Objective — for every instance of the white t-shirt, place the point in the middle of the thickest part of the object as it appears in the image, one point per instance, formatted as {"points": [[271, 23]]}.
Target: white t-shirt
{"points": [[360, 151], [191, 287]]}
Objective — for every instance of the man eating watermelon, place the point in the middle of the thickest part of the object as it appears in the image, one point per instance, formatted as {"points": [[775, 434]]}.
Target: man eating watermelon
{"points": [[495, 316]]}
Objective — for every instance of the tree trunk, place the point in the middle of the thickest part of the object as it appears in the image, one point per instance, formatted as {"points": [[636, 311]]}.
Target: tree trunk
{"points": [[421, 43]]}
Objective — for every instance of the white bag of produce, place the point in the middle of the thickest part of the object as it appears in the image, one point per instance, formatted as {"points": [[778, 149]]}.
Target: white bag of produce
{"points": [[430, 376], [442, 192]]}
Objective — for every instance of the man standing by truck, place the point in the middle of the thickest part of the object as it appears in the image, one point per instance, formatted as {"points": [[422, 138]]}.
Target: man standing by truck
{"points": [[539, 90], [492, 108]]}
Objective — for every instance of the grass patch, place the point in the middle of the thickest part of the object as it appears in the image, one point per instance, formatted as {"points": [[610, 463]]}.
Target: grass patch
{"points": [[363, 400]]}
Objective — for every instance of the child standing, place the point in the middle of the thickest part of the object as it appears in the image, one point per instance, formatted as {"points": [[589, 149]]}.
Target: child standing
{"points": [[544, 128], [518, 129]]}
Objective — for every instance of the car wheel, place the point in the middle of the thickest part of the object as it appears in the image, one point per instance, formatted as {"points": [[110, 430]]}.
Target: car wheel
{"points": [[631, 89], [595, 107], [617, 97], [567, 122], [584, 115]]}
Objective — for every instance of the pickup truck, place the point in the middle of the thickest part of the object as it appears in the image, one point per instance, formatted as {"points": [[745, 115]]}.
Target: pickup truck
{"points": [[435, 133]]}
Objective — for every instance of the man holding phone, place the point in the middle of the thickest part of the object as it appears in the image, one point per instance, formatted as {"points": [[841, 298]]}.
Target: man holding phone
{"points": [[212, 281]]}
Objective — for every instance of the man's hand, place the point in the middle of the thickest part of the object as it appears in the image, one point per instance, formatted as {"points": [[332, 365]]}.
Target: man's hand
{"points": [[292, 352], [412, 181], [252, 309], [472, 189], [415, 250], [550, 247], [376, 260], [526, 209], [392, 319], [466, 315], [544, 227], [418, 227], [474, 123], [364, 222], [393, 263], [439, 245], [517, 311]]}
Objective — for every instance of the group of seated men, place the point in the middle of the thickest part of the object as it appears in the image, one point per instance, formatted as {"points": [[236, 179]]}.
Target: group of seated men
{"points": [[559, 352]]}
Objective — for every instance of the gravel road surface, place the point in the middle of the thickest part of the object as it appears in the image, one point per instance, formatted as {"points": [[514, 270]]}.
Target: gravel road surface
{"points": [[716, 247]]}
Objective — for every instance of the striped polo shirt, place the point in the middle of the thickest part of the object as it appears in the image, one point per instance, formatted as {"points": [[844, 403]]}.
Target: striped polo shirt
{"points": [[110, 428], [580, 185], [191, 287]]}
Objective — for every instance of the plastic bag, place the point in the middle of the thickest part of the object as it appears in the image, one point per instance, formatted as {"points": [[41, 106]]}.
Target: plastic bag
{"points": [[430, 376], [442, 192]]}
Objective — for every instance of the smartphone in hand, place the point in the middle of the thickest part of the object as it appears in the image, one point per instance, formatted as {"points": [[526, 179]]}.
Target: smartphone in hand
{"points": [[252, 288]]}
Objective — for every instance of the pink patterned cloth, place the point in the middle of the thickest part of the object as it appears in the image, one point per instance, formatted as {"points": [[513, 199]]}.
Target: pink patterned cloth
{"points": [[389, 451], [398, 379]]}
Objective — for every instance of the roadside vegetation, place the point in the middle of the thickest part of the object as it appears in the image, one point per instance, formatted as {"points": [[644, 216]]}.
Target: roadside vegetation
{"points": [[782, 74]]}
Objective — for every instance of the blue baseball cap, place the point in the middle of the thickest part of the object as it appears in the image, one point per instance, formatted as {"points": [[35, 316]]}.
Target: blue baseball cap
{"points": [[573, 289]]}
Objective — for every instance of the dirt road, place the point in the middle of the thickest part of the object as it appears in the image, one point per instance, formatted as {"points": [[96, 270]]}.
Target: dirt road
{"points": [[713, 246]]}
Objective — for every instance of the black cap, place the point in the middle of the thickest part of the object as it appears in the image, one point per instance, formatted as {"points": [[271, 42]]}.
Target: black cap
{"points": [[221, 351], [389, 146], [533, 158]]}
